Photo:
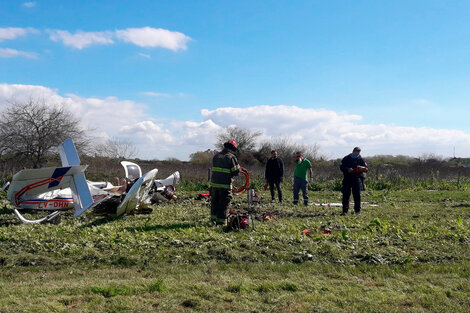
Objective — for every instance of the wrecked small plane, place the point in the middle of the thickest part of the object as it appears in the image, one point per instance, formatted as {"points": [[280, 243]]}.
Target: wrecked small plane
{"points": [[63, 188]]}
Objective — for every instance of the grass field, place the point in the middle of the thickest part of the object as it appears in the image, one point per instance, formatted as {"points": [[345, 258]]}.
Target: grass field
{"points": [[409, 254]]}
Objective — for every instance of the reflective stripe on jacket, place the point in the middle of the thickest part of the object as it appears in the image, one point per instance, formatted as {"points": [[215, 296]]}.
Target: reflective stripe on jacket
{"points": [[224, 167]]}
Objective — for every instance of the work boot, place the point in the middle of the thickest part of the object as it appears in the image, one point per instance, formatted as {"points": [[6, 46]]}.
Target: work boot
{"points": [[217, 221]]}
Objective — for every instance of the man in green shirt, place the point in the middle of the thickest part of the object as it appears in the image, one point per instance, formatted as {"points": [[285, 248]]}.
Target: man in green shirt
{"points": [[302, 167]]}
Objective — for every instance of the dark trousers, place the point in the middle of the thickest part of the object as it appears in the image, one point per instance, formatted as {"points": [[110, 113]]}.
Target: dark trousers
{"points": [[354, 185], [220, 203], [275, 182], [300, 184]]}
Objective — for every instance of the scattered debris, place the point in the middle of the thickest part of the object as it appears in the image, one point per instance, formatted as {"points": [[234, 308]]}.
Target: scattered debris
{"points": [[324, 232], [239, 220], [56, 189]]}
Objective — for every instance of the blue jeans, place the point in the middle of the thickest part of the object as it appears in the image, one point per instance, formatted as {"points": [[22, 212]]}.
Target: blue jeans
{"points": [[300, 184]]}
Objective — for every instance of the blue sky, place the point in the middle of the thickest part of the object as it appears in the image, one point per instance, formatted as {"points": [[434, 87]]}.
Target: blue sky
{"points": [[390, 76]]}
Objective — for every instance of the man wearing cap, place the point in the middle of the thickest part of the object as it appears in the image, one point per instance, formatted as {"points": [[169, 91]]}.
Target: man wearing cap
{"points": [[224, 168], [353, 167]]}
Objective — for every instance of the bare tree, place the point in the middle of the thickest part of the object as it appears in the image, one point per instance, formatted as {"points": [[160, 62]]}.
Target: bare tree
{"points": [[286, 148], [33, 129], [245, 138], [117, 148]]}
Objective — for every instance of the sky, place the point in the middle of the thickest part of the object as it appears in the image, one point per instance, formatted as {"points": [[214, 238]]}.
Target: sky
{"points": [[392, 77]]}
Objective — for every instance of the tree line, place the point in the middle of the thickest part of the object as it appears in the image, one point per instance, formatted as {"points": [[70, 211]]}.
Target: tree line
{"points": [[31, 131]]}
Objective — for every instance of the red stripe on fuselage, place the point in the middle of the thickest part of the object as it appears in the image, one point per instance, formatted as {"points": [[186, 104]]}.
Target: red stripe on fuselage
{"points": [[34, 185]]}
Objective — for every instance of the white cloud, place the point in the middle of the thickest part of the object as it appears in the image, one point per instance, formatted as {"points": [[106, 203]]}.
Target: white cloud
{"points": [[149, 133], [147, 37], [200, 136], [279, 120], [99, 113], [154, 37], [144, 55], [29, 4], [10, 33], [11, 53], [155, 94], [105, 117], [422, 102], [335, 133], [81, 39], [163, 94], [22, 93]]}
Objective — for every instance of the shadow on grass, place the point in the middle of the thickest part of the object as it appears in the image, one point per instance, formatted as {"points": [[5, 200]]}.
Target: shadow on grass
{"points": [[462, 205], [159, 227], [101, 221], [5, 211]]}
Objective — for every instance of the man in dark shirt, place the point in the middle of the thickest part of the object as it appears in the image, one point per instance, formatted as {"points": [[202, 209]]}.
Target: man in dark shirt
{"points": [[353, 167], [274, 174]]}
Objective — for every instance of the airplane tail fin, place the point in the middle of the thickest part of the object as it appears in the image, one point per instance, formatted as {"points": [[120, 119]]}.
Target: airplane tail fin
{"points": [[68, 153], [82, 198]]}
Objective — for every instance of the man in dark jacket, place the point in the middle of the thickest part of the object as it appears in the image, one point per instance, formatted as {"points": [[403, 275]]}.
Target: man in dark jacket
{"points": [[353, 167], [274, 174], [224, 167]]}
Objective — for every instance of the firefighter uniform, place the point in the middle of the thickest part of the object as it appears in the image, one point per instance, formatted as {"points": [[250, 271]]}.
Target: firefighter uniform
{"points": [[224, 167]]}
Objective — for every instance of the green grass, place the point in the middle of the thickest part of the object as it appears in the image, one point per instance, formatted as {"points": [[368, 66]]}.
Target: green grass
{"points": [[409, 254]]}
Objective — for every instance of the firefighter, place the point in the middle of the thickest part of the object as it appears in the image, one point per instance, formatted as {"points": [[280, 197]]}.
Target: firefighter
{"points": [[353, 167], [224, 168]]}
